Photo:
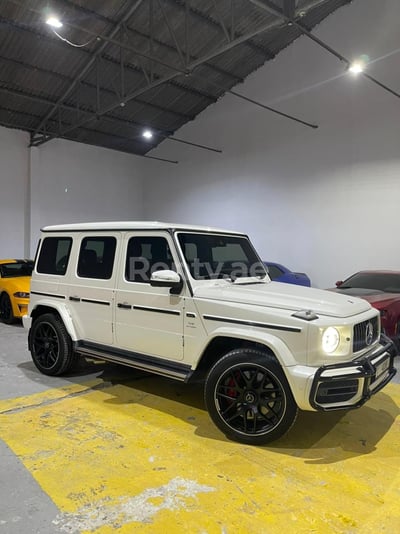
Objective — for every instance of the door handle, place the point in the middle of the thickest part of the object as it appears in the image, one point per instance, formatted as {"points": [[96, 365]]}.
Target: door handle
{"points": [[124, 306], [75, 299]]}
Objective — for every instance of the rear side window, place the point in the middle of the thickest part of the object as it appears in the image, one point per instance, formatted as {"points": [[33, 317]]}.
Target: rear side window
{"points": [[54, 255], [96, 257]]}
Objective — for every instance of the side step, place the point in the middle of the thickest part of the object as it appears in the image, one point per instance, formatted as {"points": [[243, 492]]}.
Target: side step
{"points": [[151, 364]]}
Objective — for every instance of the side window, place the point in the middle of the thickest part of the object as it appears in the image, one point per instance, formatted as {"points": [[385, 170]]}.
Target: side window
{"points": [[96, 257], [54, 255], [274, 272], [146, 254]]}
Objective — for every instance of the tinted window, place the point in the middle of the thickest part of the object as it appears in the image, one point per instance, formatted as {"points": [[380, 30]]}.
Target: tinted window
{"points": [[54, 255], [274, 272], [388, 282], [145, 255], [218, 256], [96, 257], [18, 268]]}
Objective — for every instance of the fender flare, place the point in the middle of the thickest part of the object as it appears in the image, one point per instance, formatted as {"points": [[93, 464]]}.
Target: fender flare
{"points": [[275, 344], [62, 311]]}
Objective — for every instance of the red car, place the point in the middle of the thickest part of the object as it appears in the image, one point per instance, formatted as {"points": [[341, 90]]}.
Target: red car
{"points": [[382, 290]]}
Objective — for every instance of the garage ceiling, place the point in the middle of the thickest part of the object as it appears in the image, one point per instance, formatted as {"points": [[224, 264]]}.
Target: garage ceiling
{"points": [[116, 67]]}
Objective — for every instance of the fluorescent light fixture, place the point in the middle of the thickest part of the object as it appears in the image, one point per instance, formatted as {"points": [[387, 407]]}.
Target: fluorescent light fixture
{"points": [[147, 134], [356, 67], [54, 22]]}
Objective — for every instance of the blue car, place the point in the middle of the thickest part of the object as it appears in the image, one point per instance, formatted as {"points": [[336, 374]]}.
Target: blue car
{"points": [[279, 273]]}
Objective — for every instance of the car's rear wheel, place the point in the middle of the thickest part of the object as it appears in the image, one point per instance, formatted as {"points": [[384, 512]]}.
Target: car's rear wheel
{"points": [[50, 345], [6, 312], [248, 397]]}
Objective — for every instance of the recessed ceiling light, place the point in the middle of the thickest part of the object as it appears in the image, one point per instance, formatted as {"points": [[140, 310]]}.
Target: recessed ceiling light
{"points": [[147, 134], [54, 22]]}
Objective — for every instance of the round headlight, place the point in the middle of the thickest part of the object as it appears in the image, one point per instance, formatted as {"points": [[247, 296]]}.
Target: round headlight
{"points": [[330, 340]]}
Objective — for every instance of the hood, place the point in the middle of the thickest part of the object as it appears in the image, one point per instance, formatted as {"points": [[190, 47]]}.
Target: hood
{"points": [[374, 297], [284, 296], [19, 283]]}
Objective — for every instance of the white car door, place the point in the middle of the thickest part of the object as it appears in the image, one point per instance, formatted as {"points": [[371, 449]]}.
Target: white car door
{"points": [[148, 320]]}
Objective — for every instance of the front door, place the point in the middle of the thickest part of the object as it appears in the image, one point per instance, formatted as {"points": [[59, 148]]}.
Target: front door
{"points": [[148, 320]]}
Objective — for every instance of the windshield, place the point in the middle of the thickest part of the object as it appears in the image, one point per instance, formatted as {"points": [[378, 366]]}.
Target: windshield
{"points": [[211, 256], [387, 282], [19, 268]]}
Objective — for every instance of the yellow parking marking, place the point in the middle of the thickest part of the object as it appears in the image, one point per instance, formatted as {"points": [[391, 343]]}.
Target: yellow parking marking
{"points": [[143, 456]]}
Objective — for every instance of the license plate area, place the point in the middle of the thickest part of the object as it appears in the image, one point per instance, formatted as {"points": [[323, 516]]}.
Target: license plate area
{"points": [[381, 372]]}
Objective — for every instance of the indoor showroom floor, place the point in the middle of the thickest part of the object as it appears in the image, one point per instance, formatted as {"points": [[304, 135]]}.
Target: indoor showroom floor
{"points": [[110, 449]]}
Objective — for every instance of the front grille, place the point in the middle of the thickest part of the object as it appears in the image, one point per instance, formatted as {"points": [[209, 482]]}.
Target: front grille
{"points": [[362, 334]]}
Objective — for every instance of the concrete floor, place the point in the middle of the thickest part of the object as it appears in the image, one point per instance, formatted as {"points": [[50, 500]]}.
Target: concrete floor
{"points": [[109, 449]]}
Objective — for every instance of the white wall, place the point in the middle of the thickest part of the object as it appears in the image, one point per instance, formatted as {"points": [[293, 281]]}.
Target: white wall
{"points": [[72, 182], [60, 182], [325, 201], [13, 193]]}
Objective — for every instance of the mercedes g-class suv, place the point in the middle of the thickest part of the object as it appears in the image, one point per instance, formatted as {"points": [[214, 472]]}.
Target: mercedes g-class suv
{"points": [[189, 302]]}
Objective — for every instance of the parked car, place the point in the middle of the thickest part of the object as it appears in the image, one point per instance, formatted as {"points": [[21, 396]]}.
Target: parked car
{"points": [[194, 303], [279, 273], [15, 278], [382, 290]]}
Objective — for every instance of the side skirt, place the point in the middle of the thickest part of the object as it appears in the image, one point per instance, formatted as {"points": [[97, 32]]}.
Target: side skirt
{"points": [[152, 364]]}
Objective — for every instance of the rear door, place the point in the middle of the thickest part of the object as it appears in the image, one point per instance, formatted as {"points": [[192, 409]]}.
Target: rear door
{"points": [[91, 287]]}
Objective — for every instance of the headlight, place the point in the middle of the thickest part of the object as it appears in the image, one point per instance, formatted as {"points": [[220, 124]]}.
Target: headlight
{"points": [[330, 340], [21, 295]]}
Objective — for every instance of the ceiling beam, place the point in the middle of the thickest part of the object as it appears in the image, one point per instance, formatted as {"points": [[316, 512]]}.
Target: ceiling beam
{"points": [[137, 32], [132, 7], [163, 134], [210, 21], [168, 78], [269, 6], [34, 68]]}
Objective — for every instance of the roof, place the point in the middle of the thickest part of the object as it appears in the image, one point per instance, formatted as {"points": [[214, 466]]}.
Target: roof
{"points": [[115, 68], [131, 225]]}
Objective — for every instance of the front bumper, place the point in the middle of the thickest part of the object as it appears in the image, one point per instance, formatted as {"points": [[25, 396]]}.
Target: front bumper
{"points": [[350, 385], [19, 306]]}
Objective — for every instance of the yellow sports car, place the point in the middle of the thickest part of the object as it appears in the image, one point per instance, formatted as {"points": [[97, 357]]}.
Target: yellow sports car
{"points": [[15, 279]]}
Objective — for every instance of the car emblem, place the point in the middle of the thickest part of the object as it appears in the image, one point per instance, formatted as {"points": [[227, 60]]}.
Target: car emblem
{"points": [[369, 334]]}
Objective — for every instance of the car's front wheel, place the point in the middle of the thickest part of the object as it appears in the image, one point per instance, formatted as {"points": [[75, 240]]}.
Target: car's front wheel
{"points": [[50, 345], [248, 397], [6, 312]]}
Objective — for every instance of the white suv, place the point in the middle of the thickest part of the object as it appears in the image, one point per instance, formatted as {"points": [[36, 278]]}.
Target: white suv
{"points": [[188, 302]]}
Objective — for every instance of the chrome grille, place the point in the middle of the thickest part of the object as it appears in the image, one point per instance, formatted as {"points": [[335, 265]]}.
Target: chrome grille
{"points": [[361, 340]]}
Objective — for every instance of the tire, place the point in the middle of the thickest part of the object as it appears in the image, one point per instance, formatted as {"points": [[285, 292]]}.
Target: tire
{"points": [[248, 397], [6, 312], [50, 345]]}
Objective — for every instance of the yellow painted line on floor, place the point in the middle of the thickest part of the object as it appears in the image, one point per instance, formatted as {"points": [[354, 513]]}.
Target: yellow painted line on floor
{"points": [[46, 397], [144, 457]]}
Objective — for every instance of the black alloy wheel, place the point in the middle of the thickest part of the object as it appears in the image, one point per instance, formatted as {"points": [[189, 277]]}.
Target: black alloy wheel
{"points": [[248, 397], [6, 312], [50, 345]]}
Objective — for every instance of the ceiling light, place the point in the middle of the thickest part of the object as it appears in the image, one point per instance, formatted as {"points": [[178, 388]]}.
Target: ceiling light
{"points": [[356, 67], [147, 134], [54, 22]]}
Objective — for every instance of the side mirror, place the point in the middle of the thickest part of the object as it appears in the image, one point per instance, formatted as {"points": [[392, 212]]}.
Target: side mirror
{"points": [[167, 278], [339, 283]]}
